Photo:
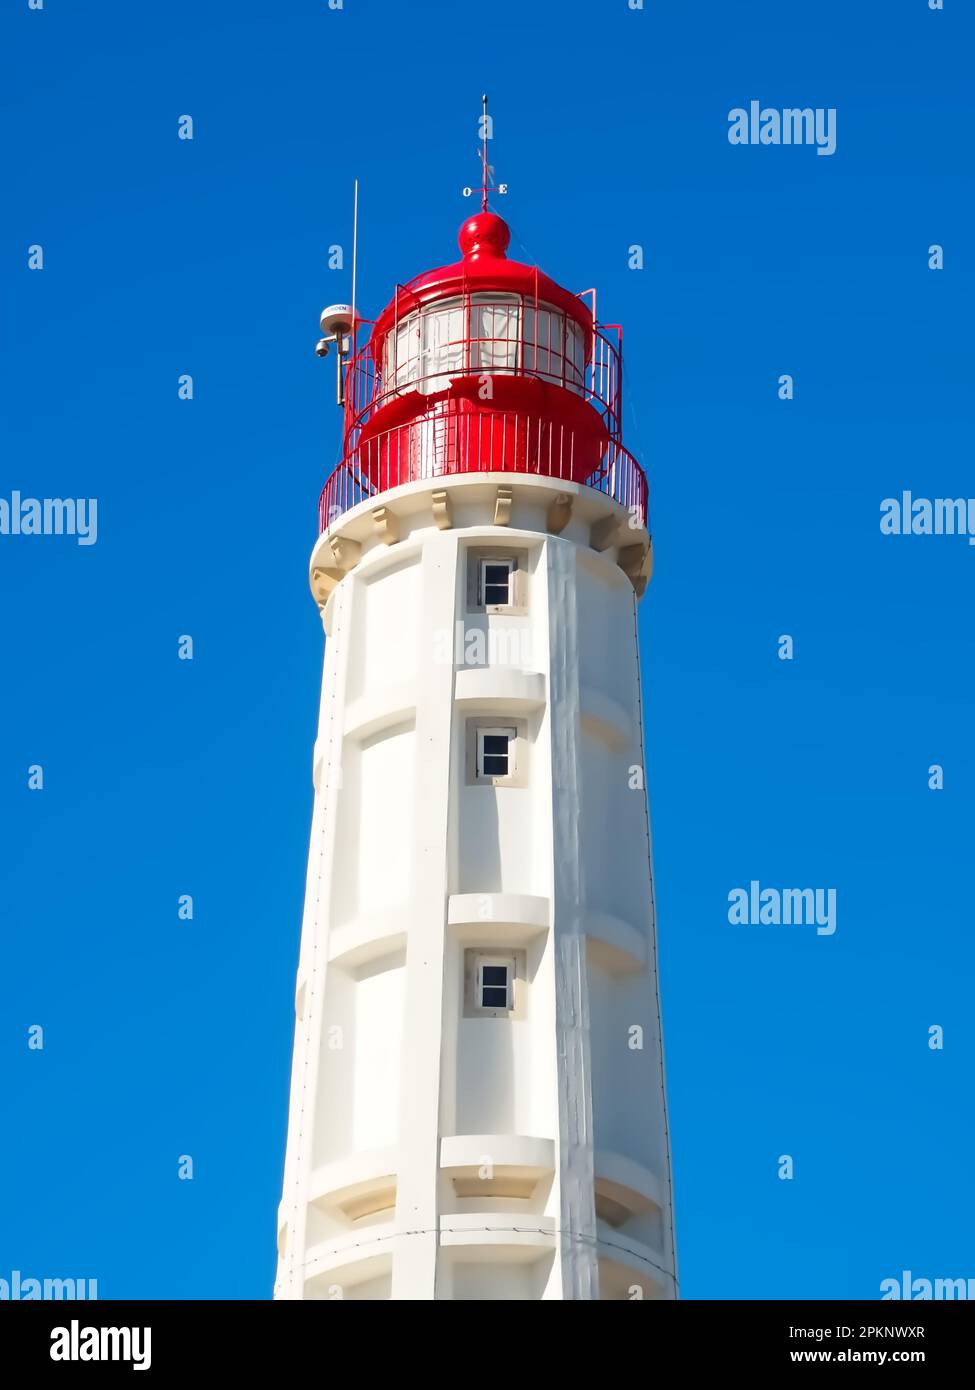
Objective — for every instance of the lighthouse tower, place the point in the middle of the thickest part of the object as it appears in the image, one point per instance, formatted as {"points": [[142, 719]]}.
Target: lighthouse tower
{"points": [[477, 1103]]}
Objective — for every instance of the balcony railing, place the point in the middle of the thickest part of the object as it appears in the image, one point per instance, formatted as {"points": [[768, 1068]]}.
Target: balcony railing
{"points": [[497, 335], [496, 441]]}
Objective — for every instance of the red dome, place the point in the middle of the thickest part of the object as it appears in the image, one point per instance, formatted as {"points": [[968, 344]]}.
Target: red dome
{"points": [[484, 234], [484, 240]]}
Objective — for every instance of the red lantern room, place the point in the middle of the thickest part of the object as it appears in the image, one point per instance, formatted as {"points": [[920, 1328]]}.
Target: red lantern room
{"points": [[485, 365]]}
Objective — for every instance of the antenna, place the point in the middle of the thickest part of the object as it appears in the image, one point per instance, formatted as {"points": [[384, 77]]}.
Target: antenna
{"points": [[484, 163], [355, 244], [339, 321], [487, 170]]}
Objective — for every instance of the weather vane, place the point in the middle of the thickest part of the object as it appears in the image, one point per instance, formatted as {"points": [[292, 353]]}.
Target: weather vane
{"points": [[487, 170]]}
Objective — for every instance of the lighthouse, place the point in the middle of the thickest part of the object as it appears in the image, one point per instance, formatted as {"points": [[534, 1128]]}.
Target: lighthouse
{"points": [[478, 1107]]}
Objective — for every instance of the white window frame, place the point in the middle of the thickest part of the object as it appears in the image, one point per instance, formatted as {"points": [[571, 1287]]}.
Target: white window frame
{"points": [[517, 559], [503, 355], [442, 358], [510, 966], [516, 729], [514, 961], [487, 731], [483, 561], [541, 340]]}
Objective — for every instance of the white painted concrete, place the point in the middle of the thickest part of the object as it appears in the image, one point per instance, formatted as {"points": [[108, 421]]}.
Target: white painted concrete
{"points": [[435, 1151]]}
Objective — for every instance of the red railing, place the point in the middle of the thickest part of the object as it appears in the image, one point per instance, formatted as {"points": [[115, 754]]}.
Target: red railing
{"points": [[535, 342], [432, 447]]}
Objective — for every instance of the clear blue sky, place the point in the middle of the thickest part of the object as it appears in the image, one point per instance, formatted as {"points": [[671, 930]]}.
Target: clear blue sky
{"points": [[163, 777]]}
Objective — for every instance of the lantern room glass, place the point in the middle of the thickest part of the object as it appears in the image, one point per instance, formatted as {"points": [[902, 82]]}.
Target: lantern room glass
{"points": [[493, 333]]}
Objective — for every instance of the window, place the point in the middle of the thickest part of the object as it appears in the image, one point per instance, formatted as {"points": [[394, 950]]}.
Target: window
{"points": [[444, 345], [497, 333], [427, 348], [497, 580], [495, 752], [494, 984], [401, 356], [575, 357], [495, 583]]}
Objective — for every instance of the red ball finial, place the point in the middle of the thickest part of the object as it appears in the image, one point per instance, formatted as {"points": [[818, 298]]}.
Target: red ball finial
{"points": [[484, 234]]}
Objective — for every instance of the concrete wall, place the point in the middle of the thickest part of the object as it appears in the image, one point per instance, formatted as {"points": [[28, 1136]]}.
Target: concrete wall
{"points": [[479, 1126]]}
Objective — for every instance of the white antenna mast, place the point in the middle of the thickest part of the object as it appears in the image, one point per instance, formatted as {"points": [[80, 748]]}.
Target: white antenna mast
{"points": [[355, 244], [339, 320]]}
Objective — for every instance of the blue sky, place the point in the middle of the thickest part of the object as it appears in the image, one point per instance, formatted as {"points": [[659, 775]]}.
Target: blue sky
{"points": [[162, 777]]}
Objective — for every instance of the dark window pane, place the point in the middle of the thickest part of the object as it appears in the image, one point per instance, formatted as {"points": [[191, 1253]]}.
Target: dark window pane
{"points": [[497, 584], [494, 755], [495, 975], [493, 998]]}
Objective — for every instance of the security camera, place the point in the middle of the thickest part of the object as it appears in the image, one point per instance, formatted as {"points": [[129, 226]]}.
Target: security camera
{"points": [[322, 347]]}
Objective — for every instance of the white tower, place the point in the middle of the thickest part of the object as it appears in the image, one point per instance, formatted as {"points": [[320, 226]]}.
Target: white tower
{"points": [[478, 1107]]}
